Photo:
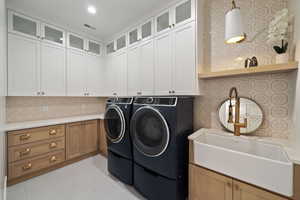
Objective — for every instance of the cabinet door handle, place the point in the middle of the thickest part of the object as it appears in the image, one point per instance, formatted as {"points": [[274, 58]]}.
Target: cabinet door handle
{"points": [[229, 184], [25, 137], [173, 92], [236, 187], [26, 152], [38, 93], [53, 159], [27, 167], [52, 145], [52, 132], [170, 26], [43, 93]]}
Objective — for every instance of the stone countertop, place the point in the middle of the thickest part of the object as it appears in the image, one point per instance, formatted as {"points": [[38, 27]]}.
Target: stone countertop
{"points": [[36, 124], [292, 152]]}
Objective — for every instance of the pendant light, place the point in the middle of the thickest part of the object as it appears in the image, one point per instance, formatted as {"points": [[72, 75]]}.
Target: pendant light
{"points": [[234, 30]]}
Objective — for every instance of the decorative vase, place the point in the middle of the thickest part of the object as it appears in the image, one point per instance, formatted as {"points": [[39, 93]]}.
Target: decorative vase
{"points": [[282, 58]]}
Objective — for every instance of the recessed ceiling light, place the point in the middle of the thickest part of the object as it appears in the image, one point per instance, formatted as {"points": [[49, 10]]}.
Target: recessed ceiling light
{"points": [[92, 10]]}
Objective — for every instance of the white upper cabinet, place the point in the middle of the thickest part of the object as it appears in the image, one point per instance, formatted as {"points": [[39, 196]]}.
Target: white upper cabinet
{"points": [[147, 30], [76, 85], [184, 55], [147, 63], [110, 48], [76, 42], [133, 67], [163, 22], [53, 70], [184, 12], [23, 25], [121, 42], [94, 47], [120, 74], [163, 64], [23, 66], [53, 35], [94, 76]]}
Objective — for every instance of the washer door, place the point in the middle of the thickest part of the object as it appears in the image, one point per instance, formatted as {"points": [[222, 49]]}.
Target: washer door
{"points": [[114, 123], [149, 131]]}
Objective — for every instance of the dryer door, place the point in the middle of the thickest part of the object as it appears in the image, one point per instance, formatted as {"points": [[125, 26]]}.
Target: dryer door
{"points": [[149, 131], [114, 123]]}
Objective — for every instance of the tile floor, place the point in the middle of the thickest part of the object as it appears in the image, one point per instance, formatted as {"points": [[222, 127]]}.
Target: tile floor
{"points": [[85, 180]]}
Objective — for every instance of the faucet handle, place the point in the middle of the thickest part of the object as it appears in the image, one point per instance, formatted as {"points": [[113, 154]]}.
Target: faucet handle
{"points": [[230, 115]]}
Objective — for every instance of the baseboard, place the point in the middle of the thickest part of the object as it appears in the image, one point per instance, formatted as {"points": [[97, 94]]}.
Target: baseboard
{"points": [[4, 189]]}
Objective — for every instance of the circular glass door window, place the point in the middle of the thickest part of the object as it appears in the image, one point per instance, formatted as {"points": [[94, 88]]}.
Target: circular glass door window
{"points": [[114, 123], [149, 131]]}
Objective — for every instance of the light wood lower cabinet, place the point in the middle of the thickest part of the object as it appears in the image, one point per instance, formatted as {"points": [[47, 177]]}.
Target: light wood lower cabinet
{"points": [[35, 151], [208, 185], [102, 139], [81, 138]]}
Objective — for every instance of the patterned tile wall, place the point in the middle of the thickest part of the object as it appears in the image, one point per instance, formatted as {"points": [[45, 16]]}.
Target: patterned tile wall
{"points": [[256, 16], [40, 108], [274, 93]]}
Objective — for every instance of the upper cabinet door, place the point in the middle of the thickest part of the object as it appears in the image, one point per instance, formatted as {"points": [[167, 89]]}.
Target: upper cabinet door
{"points": [[94, 47], [163, 22], [120, 73], [53, 35], [94, 69], [147, 30], [53, 70], [147, 68], [134, 36], [23, 66], [163, 64], [184, 12], [76, 42], [184, 67], [110, 48], [133, 67], [76, 73], [121, 42], [23, 25]]}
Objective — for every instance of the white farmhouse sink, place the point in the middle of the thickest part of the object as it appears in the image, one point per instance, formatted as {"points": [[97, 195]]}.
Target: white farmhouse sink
{"points": [[261, 164]]}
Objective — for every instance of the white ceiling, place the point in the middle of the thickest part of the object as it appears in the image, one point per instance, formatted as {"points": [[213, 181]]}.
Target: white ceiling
{"points": [[112, 15]]}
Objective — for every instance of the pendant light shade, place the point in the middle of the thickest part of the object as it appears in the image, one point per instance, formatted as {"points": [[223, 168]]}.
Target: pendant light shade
{"points": [[234, 30]]}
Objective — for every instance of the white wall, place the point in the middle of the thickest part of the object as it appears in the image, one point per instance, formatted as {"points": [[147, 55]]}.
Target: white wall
{"points": [[294, 7], [3, 56]]}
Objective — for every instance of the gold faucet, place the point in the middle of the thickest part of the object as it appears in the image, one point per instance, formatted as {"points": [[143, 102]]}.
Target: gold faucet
{"points": [[237, 125]]}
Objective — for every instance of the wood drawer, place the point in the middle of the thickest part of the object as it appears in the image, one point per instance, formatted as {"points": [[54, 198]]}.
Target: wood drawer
{"points": [[24, 167], [33, 135], [26, 151]]}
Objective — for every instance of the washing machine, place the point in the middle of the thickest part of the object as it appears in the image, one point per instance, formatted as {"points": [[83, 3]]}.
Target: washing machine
{"points": [[117, 126], [159, 129]]}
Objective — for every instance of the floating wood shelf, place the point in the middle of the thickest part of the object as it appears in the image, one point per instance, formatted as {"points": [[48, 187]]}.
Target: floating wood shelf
{"points": [[254, 70]]}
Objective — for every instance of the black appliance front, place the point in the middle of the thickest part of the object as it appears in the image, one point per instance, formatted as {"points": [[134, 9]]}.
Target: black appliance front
{"points": [[159, 129], [120, 167], [116, 123]]}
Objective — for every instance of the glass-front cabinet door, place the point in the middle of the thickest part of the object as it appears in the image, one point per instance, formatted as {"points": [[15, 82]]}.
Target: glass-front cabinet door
{"points": [[110, 48], [133, 36], [94, 47], [53, 35], [75, 42], [163, 22], [121, 42], [23, 25], [147, 30], [184, 12]]}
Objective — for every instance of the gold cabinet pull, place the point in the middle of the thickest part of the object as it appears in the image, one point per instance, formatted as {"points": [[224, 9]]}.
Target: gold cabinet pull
{"points": [[52, 132], [26, 152], [27, 167], [25, 137], [229, 184], [53, 159], [52, 145], [237, 187]]}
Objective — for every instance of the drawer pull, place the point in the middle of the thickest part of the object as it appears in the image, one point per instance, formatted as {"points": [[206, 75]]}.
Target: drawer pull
{"points": [[52, 145], [25, 137], [52, 132], [53, 159], [26, 152], [27, 167]]}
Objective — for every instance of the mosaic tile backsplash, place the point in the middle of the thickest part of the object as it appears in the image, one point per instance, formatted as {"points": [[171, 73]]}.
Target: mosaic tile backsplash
{"points": [[41, 108], [273, 92]]}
